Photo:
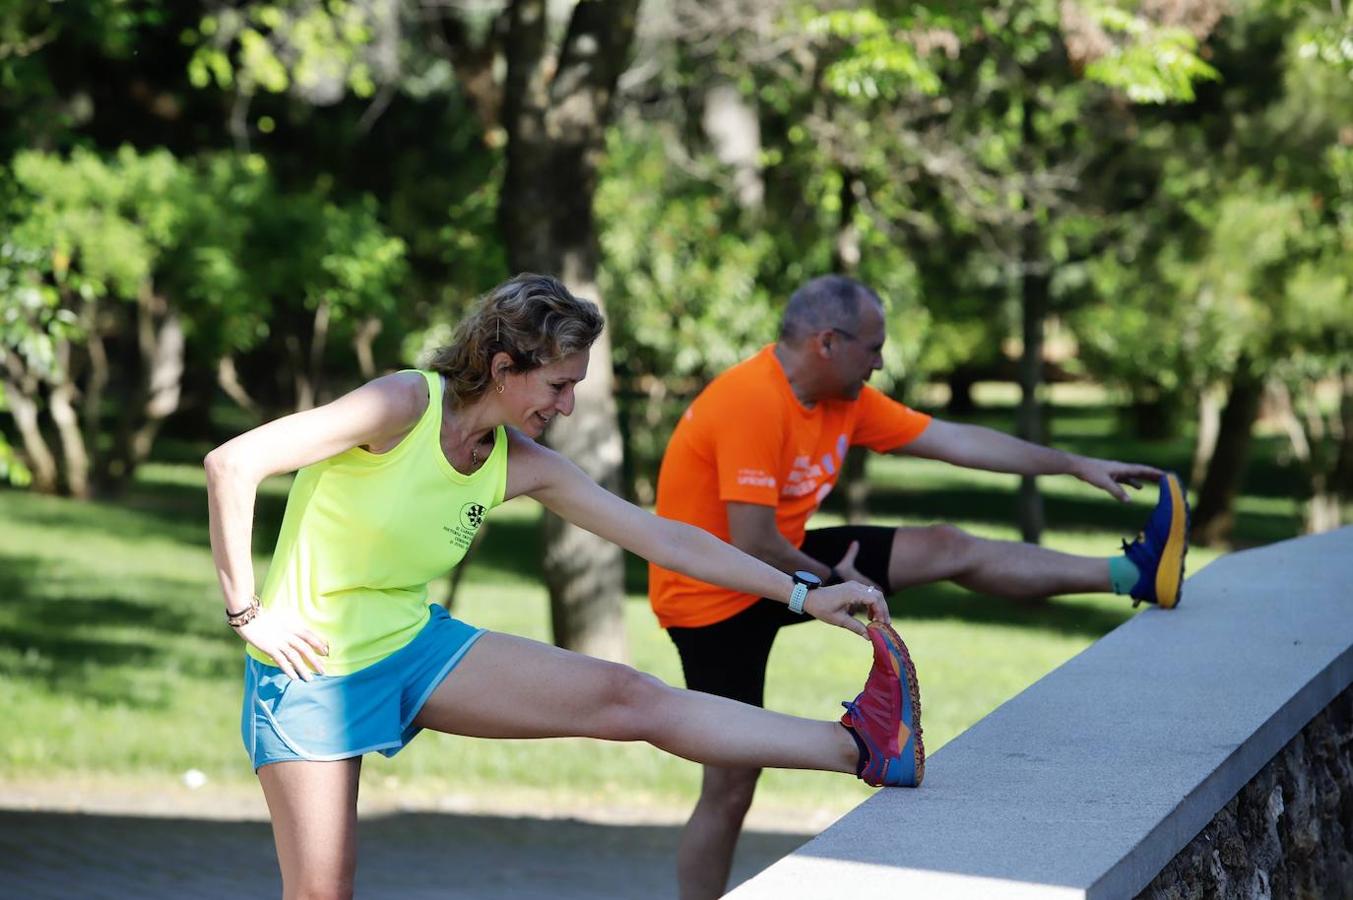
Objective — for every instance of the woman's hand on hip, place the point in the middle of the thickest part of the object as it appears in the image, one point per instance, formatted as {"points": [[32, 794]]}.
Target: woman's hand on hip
{"points": [[296, 651]]}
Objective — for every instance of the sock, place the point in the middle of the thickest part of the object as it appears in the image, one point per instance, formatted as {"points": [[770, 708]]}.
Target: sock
{"points": [[864, 754], [1123, 574]]}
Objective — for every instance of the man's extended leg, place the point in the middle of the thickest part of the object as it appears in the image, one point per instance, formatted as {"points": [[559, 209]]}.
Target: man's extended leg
{"points": [[999, 568], [1151, 569]]}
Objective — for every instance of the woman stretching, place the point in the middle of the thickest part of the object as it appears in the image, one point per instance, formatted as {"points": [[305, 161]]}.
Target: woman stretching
{"points": [[346, 656]]}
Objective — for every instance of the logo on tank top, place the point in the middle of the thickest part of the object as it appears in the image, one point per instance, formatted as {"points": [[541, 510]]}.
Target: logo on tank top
{"points": [[471, 517]]}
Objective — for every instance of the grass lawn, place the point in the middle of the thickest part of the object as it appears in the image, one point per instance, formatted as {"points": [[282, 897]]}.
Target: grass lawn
{"points": [[115, 665]]}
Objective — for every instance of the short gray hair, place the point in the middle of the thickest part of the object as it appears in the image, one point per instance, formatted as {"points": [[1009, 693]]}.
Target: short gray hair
{"points": [[830, 301]]}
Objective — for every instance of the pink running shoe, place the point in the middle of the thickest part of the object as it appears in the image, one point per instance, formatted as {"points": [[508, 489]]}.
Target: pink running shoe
{"points": [[886, 716]]}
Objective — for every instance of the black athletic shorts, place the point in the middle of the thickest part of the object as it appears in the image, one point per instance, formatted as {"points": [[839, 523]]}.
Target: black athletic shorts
{"points": [[729, 657]]}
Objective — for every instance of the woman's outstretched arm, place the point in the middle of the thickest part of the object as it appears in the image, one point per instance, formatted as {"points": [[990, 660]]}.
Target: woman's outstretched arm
{"points": [[566, 490]]}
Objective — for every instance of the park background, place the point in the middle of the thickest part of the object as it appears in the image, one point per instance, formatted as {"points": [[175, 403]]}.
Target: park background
{"points": [[1124, 228]]}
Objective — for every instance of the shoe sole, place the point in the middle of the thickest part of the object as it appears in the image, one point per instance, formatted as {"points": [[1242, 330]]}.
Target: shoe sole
{"points": [[1170, 569], [901, 659]]}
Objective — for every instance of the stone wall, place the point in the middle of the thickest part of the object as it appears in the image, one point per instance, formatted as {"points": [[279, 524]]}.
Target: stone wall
{"points": [[1288, 833]]}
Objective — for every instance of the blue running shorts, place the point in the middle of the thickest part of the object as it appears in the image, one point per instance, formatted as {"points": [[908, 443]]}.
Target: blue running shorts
{"points": [[341, 716]]}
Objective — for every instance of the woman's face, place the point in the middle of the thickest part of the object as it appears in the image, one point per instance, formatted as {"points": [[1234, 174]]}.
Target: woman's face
{"points": [[534, 398]]}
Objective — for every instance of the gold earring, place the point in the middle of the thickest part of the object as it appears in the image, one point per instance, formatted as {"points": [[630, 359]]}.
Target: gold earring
{"points": [[500, 387]]}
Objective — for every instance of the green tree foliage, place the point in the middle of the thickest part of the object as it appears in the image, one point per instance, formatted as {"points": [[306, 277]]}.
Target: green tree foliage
{"points": [[112, 265], [686, 300], [998, 137], [318, 48], [1010, 143], [82, 251], [32, 34], [985, 165], [1234, 272], [288, 274], [912, 147]]}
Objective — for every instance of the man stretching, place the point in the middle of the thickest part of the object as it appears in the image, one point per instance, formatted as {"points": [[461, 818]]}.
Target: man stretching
{"points": [[752, 459]]}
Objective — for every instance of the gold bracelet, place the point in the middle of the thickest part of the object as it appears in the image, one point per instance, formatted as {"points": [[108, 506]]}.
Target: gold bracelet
{"points": [[244, 616]]}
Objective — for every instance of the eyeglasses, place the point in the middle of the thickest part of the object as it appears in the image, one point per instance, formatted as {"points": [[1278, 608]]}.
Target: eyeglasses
{"points": [[847, 334]]}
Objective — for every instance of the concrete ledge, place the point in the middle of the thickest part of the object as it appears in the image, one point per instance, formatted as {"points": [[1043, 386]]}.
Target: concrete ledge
{"points": [[1090, 781]]}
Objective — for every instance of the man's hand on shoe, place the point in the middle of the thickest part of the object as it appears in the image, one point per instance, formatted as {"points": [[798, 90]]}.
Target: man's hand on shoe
{"points": [[1110, 475]]}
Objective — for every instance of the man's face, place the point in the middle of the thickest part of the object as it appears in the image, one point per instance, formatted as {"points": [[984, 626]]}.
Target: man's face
{"points": [[857, 350]]}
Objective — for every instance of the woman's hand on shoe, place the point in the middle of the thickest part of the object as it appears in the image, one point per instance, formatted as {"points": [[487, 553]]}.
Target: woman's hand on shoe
{"points": [[838, 604]]}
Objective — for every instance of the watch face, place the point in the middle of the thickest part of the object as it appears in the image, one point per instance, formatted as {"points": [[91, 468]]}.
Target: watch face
{"points": [[808, 578]]}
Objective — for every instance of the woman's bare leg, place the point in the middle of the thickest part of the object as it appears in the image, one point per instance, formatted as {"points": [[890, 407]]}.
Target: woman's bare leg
{"points": [[314, 824], [510, 687]]}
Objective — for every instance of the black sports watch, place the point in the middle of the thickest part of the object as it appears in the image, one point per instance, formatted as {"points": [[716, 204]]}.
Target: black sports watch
{"points": [[804, 581]]}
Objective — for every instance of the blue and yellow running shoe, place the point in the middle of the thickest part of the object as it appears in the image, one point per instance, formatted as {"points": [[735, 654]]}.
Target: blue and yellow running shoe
{"points": [[1159, 551], [886, 716]]}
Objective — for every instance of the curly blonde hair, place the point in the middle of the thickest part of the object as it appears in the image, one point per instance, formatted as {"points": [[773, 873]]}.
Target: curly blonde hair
{"points": [[532, 318]]}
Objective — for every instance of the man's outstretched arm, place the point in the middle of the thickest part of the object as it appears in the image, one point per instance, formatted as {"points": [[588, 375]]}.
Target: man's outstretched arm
{"points": [[975, 447]]}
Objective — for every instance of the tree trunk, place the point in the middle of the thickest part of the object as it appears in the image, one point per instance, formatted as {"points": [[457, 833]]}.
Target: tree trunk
{"points": [[1323, 511], [319, 341], [24, 409], [228, 378], [1030, 425], [158, 388], [585, 573], [555, 116], [91, 412], [1342, 482], [365, 336], [1214, 515], [1209, 423], [961, 402], [1311, 436], [61, 404], [164, 386], [734, 132], [1152, 417], [301, 387]]}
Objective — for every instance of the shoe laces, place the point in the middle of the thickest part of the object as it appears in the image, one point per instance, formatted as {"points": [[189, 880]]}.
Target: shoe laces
{"points": [[916, 728]]}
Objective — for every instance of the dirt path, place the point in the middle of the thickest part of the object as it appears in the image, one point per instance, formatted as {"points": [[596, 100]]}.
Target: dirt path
{"points": [[91, 837], [408, 856]]}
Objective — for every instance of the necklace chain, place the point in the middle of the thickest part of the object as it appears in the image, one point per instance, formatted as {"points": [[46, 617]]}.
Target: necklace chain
{"points": [[474, 455]]}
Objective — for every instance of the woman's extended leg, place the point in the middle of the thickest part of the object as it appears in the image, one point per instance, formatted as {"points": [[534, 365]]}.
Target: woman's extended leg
{"points": [[510, 687], [314, 824]]}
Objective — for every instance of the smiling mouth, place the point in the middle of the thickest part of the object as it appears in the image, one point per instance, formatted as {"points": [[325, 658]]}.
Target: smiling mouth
{"points": [[543, 419]]}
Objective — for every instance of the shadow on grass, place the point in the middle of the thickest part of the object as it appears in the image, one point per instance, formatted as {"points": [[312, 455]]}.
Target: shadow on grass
{"points": [[148, 510], [105, 648], [407, 854]]}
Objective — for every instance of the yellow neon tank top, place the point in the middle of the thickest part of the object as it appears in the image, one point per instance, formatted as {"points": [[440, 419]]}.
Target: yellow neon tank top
{"points": [[365, 533]]}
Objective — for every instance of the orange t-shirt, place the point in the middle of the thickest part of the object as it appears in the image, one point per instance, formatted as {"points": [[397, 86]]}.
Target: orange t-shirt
{"points": [[747, 439]]}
